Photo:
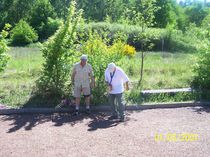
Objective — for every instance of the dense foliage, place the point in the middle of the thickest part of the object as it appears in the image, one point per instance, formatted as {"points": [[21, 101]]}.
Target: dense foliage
{"points": [[202, 69], [59, 54], [3, 47], [23, 34], [36, 12]]}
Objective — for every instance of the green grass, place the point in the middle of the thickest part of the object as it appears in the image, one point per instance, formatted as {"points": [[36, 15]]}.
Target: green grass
{"points": [[18, 80], [162, 70]]}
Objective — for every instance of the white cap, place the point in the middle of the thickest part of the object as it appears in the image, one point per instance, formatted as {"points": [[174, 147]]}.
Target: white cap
{"points": [[111, 67], [84, 57]]}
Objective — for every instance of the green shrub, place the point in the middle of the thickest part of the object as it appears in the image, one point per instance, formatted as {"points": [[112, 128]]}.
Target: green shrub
{"points": [[202, 78], [161, 39], [3, 47], [178, 41], [59, 54], [23, 34], [202, 68]]}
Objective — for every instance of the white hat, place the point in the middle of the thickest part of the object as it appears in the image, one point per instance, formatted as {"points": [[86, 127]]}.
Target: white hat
{"points": [[84, 57], [111, 67]]}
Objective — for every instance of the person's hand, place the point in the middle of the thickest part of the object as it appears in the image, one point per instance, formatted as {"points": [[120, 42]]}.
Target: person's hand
{"points": [[127, 87], [109, 88]]}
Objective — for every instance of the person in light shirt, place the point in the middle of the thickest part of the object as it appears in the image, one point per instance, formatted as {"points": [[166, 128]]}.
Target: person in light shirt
{"points": [[117, 82], [83, 80]]}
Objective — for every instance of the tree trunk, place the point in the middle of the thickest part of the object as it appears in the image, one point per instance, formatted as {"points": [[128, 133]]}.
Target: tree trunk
{"points": [[142, 69]]}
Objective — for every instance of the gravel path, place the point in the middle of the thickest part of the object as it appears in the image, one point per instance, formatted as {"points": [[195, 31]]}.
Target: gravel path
{"points": [[62, 135]]}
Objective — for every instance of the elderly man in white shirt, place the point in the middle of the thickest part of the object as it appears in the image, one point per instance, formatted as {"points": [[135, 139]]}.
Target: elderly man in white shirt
{"points": [[117, 82]]}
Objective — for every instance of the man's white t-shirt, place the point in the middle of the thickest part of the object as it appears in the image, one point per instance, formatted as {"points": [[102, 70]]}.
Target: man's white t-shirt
{"points": [[118, 80]]}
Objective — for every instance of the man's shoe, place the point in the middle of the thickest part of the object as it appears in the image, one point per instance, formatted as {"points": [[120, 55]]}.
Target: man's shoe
{"points": [[87, 111], [76, 113]]}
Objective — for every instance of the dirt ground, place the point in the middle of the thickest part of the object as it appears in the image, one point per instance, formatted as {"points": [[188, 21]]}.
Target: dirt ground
{"points": [[64, 135]]}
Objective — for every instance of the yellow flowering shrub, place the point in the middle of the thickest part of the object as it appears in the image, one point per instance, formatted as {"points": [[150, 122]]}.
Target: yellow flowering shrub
{"points": [[117, 48], [129, 50], [122, 49], [100, 54]]}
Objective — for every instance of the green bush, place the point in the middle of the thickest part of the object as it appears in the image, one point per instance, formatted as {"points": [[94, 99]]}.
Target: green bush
{"points": [[191, 40], [202, 78], [161, 39], [23, 34], [179, 41], [3, 47]]}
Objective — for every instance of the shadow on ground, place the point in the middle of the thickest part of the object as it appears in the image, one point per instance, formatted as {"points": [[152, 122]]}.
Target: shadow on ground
{"points": [[29, 121], [200, 109], [37, 101]]}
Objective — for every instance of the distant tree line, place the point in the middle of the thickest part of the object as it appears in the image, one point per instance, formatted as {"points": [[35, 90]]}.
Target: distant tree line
{"points": [[46, 15]]}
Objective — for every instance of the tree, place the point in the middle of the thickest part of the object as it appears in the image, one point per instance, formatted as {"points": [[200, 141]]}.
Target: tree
{"points": [[42, 10], [98, 10], [11, 11], [181, 18], [165, 13], [114, 9], [196, 13], [61, 7], [59, 53], [94, 10], [17, 9], [143, 15]]}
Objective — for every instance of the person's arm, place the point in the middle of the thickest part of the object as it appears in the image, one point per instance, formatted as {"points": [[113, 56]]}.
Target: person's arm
{"points": [[109, 87], [125, 80], [106, 78]]}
